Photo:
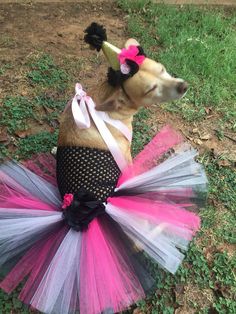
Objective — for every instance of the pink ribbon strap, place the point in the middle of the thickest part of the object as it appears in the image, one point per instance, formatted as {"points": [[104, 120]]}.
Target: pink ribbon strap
{"points": [[83, 107]]}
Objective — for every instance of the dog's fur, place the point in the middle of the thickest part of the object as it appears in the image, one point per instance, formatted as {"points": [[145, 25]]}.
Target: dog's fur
{"points": [[150, 85]]}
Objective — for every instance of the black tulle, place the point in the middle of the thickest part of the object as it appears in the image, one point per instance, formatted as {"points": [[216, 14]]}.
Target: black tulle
{"points": [[135, 257]]}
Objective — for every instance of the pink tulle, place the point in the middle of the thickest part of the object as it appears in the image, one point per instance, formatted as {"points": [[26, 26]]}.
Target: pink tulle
{"points": [[106, 275], [42, 259], [10, 198], [148, 158], [157, 211], [5, 189], [34, 263], [104, 268]]}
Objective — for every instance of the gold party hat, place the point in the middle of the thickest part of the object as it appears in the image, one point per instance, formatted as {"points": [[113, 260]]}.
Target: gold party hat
{"points": [[111, 52]]}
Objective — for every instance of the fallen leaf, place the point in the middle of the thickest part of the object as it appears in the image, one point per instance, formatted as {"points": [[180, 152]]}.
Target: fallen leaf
{"points": [[24, 93], [209, 117], [213, 202], [4, 137], [224, 163], [208, 110], [48, 110], [179, 288], [197, 141], [23, 133], [205, 136], [54, 123], [195, 131]]}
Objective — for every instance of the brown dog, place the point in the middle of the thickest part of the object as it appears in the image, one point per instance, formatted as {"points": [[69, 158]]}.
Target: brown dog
{"points": [[150, 85]]}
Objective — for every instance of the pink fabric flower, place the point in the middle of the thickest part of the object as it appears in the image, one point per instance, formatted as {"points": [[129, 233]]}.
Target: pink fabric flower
{"points": [[130, 54], [125, 69], [67, 200]]}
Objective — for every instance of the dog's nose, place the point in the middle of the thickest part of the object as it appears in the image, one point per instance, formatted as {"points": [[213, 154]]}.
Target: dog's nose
{"points": [[182, 87]]}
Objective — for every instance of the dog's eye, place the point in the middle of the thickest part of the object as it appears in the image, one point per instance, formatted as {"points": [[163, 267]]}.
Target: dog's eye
{"points": [[152, 89]]}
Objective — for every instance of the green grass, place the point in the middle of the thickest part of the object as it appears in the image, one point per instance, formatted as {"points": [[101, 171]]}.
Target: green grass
{"points": [[22, 113], [141, 131], [198, 45], [195, 44], [16, 111], [45, 73], [217, 275], [39, 143]]}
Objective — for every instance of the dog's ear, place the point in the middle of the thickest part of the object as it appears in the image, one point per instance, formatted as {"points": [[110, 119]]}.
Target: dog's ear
{"points": [[131, 42], [114, 103], [109, 105]]}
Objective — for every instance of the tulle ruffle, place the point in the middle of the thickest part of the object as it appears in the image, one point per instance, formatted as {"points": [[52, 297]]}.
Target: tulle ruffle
{"points": [[152, 211]]}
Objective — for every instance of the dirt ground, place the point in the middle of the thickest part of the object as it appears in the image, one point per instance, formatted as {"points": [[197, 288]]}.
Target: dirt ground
{"points": [[209, 2], [57, 29]]}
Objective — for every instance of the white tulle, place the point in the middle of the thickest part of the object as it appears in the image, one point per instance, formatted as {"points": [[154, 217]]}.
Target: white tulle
{"points": [[160, 240], [35, 185], [177, 171], [17, 234], [56, 292]]}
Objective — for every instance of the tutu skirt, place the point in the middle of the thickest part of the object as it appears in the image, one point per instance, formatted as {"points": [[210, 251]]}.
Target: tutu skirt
{"points": [[100, 270]]}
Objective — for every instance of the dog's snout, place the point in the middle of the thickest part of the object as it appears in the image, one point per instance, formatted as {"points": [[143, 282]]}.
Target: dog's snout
{"points": [[182, 87]]}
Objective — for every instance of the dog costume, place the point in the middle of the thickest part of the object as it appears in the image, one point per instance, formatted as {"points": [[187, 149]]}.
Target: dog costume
{"points": [[77, 231]]}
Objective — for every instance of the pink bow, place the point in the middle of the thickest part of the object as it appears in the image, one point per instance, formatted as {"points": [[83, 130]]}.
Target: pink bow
{"points": [[83, 107], [130, 54]]}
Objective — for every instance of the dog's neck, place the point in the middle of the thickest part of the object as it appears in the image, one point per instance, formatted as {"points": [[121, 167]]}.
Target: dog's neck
{"points": [[70, 135]]}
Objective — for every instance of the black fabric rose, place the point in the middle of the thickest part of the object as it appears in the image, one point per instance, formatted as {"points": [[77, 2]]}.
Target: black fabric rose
{"points": [[82, 210]]}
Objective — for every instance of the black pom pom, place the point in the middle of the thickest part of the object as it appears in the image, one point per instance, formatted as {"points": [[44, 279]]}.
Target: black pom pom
{"points": [[117, 78], [95, 35], [114, 77], [134, 67]]}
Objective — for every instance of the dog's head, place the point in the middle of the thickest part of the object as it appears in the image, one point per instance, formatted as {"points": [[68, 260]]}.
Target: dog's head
{"points": [[152, 84], [142, 81]]}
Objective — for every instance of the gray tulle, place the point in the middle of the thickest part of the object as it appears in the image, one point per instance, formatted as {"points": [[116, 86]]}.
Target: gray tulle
{"points": [[28, 182]]}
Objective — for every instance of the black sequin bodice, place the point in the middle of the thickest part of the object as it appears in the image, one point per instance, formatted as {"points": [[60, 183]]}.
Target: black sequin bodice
{"points": [[91, 168]]}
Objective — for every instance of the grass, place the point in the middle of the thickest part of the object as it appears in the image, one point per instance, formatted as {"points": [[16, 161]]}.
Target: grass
{"points": [[16, 111], [45, 73], [204, 40], [196, 44], [207, 266], [21, 113]]}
